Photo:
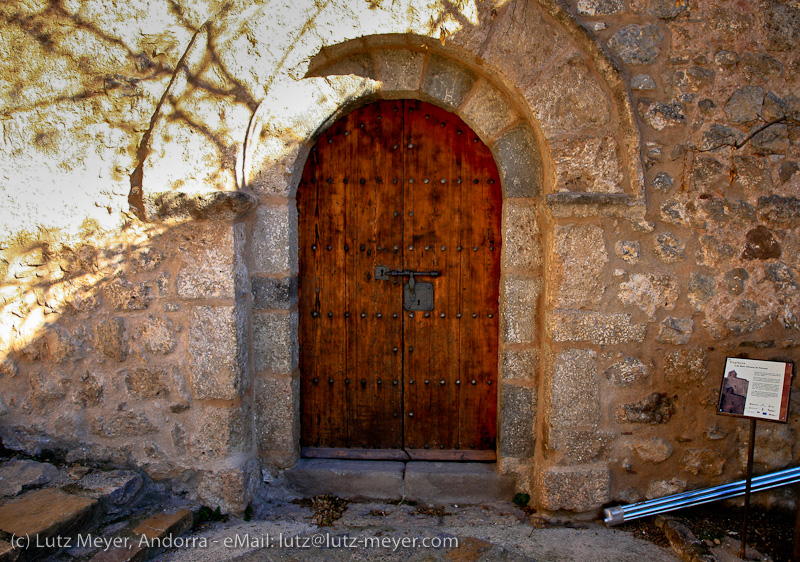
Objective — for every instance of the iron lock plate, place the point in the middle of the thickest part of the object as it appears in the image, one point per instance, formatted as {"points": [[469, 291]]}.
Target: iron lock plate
{"points": [[418, 297]]}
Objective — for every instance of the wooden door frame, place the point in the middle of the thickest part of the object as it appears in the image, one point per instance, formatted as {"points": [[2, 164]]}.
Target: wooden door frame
{"points": [[516, 154]]}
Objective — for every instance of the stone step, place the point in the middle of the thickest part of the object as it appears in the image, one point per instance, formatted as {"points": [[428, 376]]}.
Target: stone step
{"points": [[149, 537], [47, 519], [353, 480], [426, 482], [461, 483], [19, 475], [7, 552]]}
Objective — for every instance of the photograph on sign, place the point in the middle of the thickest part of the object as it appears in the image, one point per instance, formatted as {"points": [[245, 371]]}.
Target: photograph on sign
{"points": [[756, 389]]}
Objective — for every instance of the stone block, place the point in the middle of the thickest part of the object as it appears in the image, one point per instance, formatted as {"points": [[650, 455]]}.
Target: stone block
{"points": [[677, 331], [519, 162], [521, 55], [663, 181], [628, 250], [157, 335], [520, 365], [761, 245], [660, 115], [162, 525], [745, 104], [46, 389], [213, 347], [649, 292], [110, 339], [653, 450], [574, 390], [146, 382], [568, 98], [703, 461], [46, 514], [643, 82], [522, 245], [594, 327], [208, 276], [366, 480], [668, 9], [128, 296], [774, 447], [587, 165], [20, 475], [274, 167], [7, 552], [754, 175], [121, 423], [778, 209], [636, 44], [277, 404], [360, 64], [275, 239], [574, 489], [275, 342], [437, 483], [628, 372], [232, 488], [8, 367], [520, 296], [399, 71], [668, 248], [579, 446], [657, 408], [446, 82], [663, 488], [115, 490], [218, 433], [274, 294], [687, 366], [580, 258], [599, 7], [487, 110], [518, 421]]}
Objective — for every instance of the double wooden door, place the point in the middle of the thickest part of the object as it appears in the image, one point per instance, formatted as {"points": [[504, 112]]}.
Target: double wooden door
{"points": [[391, 368]]}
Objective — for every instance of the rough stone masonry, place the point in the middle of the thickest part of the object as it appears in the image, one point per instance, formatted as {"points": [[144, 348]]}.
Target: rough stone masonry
{"points": [[649, 152]]}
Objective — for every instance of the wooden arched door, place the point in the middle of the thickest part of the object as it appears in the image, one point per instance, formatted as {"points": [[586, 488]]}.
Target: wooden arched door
{"points": [[395, 368]]}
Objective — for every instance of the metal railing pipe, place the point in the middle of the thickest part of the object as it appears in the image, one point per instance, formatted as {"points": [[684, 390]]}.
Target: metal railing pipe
{"points": [[623, 513]]}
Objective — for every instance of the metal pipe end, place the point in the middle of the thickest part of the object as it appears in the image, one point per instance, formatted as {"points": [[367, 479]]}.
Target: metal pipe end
{"points": [[614, 515]]}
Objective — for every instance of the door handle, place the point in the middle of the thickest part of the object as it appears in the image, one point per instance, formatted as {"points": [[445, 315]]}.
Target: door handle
{"points": [[383, 273]]}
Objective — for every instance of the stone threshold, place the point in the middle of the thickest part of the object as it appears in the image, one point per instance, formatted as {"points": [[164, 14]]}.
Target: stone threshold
{"points": [[432, 483]]}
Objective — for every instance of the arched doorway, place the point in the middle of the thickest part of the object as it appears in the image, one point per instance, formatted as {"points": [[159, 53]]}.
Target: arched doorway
{"points": [[399, 246]]}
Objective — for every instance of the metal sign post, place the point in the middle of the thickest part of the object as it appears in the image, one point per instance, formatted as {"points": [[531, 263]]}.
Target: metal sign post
{"points": [[750, 449]]}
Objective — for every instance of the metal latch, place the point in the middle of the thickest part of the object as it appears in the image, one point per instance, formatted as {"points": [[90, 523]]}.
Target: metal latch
{"points": [[416, 296]]}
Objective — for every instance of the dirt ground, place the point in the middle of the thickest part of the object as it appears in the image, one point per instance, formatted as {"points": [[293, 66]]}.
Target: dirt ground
{"points": [[770, 532]]}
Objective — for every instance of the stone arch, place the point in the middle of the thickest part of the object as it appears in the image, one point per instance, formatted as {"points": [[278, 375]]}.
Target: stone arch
{"points": [[288, 122], [450, 85]]}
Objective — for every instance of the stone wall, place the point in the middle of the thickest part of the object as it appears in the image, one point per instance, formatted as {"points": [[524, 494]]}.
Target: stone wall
{"points": [[642, 318], [649, 154]]}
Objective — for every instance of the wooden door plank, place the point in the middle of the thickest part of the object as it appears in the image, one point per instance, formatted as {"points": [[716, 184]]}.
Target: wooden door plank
{"points": [[472, 335], [322, 360], [333, 358], [375, 369]]}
